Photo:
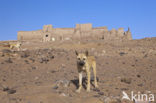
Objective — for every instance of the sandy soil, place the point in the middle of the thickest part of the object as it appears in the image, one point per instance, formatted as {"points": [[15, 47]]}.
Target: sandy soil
{"points": [[47, 73]]}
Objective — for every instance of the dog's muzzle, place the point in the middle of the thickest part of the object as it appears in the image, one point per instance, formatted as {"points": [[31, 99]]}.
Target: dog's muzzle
{"points": [[81, 63]]}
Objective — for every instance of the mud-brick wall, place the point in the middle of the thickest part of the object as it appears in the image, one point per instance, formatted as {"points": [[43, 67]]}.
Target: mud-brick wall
{"points": [[84, 27], [62, 32], [99, 32], [29, 35]]}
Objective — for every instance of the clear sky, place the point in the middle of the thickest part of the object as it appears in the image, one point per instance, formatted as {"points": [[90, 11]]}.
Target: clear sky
{"points": [[27, 15]]}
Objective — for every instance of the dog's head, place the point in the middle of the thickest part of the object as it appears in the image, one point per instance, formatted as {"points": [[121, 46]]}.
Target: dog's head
{"points": [[81, 58]]}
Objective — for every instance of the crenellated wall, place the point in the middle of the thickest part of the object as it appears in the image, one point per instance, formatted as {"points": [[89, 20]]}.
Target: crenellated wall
{"points": [[30, 35], [81, 31], [65, 31]]}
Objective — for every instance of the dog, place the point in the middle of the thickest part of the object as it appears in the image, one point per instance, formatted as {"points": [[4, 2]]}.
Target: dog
{"points": [[17, 46], [84, 64]]}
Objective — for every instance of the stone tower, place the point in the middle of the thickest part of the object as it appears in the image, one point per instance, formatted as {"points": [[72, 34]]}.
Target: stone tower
{"points": [[128, 34], [47, 29]]}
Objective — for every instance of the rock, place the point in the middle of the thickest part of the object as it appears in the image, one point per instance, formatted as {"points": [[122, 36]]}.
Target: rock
{"points": [[9, 91], [33, 68], [43, 60], [36, 78], [103, 51], [126, 101], [25, 54], [26, 61], [51, 57], [138, 76], [53, 71], [124, 89], [122, 53], [101, 93], [62, 83], [63, 94], [145, 56], [6, 89], [97, 96], [3, 79], [9, 60], [140, 84], [126, 80], [33, 60], [96, 89], [6, 51], [38, 83], [55, 87], [111, 99]]}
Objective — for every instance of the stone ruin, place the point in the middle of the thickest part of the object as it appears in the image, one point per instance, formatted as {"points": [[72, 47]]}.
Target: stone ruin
{"points": [[80, 32]]}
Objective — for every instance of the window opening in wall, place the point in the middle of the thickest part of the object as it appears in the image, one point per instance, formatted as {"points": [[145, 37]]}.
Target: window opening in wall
{"points": [[46, 35]]}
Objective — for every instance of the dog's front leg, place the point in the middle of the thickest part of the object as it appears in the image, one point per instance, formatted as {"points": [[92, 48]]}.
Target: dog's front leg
{"points": [[88, 80], [80, 82], [19, 49]]}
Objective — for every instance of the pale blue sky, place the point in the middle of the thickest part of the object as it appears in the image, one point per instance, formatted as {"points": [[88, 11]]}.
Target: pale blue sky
{"points": [[27, 15]]}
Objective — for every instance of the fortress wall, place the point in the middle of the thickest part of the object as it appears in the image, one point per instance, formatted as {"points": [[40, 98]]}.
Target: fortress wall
{"points": [[103, 28], [96, 31], [107, 36], [46, 37], [86, 34], [84, 27], [47, 28], [29, 35], [99, 32], [113, 33], [77, 26], [79, 32], [65, 31], [128, 35], [120, 32], [19, 36]]}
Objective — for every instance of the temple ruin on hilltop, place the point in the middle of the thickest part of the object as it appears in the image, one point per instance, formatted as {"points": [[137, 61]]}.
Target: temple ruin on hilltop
{"points": [[80, 32]]}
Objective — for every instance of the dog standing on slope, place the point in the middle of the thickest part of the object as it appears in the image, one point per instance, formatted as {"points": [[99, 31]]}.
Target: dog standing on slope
{"points": [[84, 64], [17, 46]]}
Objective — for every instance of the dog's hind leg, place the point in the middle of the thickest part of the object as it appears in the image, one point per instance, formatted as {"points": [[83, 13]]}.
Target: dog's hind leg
{"points": [[94, 72], [11, 47], [88, 80]]}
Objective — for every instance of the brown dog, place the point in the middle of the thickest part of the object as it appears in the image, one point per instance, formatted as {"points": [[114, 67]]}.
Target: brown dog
{"points": [[84, 64]]}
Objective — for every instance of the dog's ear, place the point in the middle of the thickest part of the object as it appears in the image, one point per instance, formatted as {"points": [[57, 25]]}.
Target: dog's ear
{"points": [[76, 52], [86, 52]]}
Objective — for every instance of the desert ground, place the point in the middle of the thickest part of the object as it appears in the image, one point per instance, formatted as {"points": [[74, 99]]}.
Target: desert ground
{"points": [[47, 72]]}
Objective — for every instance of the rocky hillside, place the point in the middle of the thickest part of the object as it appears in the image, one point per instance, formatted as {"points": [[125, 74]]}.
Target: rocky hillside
{"points": [[47, 73]]}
